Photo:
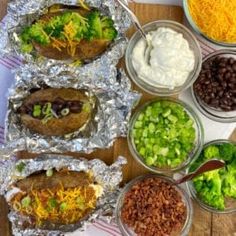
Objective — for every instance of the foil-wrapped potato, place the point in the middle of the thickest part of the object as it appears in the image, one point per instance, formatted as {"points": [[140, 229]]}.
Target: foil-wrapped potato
{"points": [[54, 198], [69, 33], [56, 112]]}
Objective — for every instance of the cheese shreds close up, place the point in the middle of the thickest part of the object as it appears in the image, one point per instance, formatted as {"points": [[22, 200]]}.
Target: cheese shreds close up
{"points": [[215, 18], [66, 206]]}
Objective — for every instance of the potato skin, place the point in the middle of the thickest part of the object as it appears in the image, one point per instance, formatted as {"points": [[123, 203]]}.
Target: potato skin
{"points": [[40, 181], [85, 50], [56, 127]]}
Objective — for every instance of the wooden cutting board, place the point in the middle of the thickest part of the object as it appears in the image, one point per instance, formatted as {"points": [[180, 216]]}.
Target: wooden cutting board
{"points": [[204, 224]]}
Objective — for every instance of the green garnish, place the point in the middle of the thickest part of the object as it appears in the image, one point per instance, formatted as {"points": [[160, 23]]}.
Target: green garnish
{"points": [[37, 111], [100, 27], [49, 172], [214, 186], [63, 206], [86, 107], [81, 203], [25, 202], [52, 202], [164, 134], [65, 111], [47, 112], [20, 167]]}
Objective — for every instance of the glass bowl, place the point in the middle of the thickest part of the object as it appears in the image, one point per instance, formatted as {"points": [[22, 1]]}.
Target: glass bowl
{"points": [[193, 44], [213, 113], [198, 31], [231, 204], [126, 231], [190, 157]]}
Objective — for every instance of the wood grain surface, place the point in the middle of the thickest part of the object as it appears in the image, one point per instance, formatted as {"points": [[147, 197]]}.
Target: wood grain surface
{"points": [[204, 223]]}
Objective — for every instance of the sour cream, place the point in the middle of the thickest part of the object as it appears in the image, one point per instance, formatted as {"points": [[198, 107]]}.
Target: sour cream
{"points": [[171, 59]]}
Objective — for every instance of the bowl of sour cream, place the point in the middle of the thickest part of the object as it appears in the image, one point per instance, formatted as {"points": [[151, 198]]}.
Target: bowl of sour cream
{"points": [[174, 62]]}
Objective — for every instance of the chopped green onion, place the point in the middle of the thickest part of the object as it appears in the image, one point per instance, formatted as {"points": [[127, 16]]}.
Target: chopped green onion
{"points": [[20, 167], [164, 134], [25, 202], [46, 110], [49, 172], [52, 202], [65, 111], [37, 111], [80, 203], [63, 206]]}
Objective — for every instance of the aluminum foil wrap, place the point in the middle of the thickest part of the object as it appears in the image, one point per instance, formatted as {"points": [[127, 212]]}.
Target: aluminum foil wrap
{"points": [[21, 13], [108, 177], [114, 103]]}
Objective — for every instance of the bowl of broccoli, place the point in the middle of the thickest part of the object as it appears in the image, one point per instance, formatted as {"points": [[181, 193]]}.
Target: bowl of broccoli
{"points": [[215, 190]]}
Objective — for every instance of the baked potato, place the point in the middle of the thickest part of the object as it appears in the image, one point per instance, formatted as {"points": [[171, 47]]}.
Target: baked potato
{"points": [[54, 198], [56, 112], [76, 33]]}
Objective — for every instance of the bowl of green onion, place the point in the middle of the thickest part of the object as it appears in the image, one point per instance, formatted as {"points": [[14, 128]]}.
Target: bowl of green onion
{"points": [[215, 191], [165, 135]]}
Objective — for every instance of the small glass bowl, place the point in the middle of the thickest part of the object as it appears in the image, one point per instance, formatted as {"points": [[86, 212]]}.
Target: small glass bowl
{"points": [[191, 189], [198, 31], [191, 156], [193, 44], [126, 231], [213, 113]]}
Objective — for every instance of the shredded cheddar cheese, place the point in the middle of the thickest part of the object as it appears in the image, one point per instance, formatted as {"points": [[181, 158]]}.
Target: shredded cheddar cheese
{"points": [[66, 206], [215, 18], [83, 5]]}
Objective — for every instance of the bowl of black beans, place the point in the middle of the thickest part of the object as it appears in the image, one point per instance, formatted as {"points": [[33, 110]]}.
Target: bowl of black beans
{"points": [[214, 91]]}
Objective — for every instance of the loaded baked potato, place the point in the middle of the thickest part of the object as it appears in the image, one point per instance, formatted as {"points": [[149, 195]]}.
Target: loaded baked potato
{"points": [[54, 198], [56, 112], [69, 33]]}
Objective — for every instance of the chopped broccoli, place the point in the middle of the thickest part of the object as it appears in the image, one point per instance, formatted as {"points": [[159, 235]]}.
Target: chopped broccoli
{"points": [[95, 28], [211, 152], [109, 33], [227, 151], [229, 185], [209, 189], [100, 27], [38, 34], [212, 187]]}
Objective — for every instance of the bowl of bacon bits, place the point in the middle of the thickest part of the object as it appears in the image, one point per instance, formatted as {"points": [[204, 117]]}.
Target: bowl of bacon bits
{"points": [[152, 205]]}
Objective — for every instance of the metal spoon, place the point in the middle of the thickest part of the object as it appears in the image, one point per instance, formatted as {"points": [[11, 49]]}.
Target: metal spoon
{"points": [[140, 29], [212, 164]]}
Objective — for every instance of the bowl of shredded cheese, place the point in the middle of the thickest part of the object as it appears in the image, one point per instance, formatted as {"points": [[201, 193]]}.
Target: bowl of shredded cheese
{"points": [[214, 20]]}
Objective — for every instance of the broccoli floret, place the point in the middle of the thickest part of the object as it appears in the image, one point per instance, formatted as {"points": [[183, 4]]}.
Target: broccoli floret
{"points": [[229, 185], [38, 34], [227, 151], [229, 180], [25, 34], [95, 28], [26, 45], [209, 188], [198, 184], [211, 152], [100, 27], [108, 30], [109, 34], [33, 33]]}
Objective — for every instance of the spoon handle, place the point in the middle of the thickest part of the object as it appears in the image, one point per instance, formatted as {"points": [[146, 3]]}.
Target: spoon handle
{"points": [[205, 167], [134, 19]]}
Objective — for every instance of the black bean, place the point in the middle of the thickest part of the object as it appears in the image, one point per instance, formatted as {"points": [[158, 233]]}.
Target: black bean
{"points": [[216, 84]]}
